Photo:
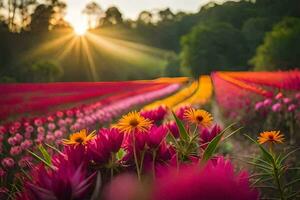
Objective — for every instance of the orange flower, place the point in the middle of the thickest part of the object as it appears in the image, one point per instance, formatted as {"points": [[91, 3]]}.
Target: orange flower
{"points": [[272, 137], [133, 122], [198, 117], [81, 137]]}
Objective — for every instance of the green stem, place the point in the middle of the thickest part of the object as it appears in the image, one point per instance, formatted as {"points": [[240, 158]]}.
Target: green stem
{"points": [[277, 180], [135, 158], [142, 161]]}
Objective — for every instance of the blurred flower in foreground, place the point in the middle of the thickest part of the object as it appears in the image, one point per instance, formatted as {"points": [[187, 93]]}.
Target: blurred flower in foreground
{"points": [[133, 122], [217, 180], [81, 137], [272, 137], [198, 117]]}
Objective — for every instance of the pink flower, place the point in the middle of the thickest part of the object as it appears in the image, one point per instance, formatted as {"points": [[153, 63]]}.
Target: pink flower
{"points": [[38, 122], [50, 119], [40, 129], [61, 123], [70, 113], [16, 150], [8, 162], [58, 133], [27, 135], [259, 105], [2, 130], [12, 130], [26, 144], [51, 126], [2, 172], [18, 138], [287, 100], [277, 107], [29, 129], [50, 138], [12, 141], [59, 114], [267, 102], [25, 162], [297, 95], [292, 108]]}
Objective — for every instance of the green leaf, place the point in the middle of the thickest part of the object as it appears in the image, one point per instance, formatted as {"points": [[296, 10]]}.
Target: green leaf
{"points": [[279, 161], [45, 154], [266, 154], [54, 148], [183, 133], [40, 158], [212, 145], [120, 154], [211, 148]]}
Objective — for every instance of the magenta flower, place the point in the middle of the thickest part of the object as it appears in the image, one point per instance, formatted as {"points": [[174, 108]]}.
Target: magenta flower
{"points": [[207, 135], [216, 181], [180, 111], [67, 181], [172, 126], [156, 136], [157, 114], [108, 141]]}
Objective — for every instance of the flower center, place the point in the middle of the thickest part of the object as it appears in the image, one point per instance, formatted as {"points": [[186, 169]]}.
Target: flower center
{"points": [[199, 118], [133, 122], [79, 140], [271, 137]]}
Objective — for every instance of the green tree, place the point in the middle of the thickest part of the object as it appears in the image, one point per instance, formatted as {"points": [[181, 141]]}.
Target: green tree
{"points": [[112, 17], [94, 12], [172, 67], [215, 46], [281, 47], [41, 71]]}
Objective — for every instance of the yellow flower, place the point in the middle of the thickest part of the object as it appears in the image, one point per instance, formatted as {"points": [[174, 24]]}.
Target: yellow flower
{"points": [[133, 122], [272, 137], [81, 137], [198, 117]]}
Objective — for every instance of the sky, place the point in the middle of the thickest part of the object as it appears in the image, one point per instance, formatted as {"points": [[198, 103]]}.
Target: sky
{"points": [[131, 8]]}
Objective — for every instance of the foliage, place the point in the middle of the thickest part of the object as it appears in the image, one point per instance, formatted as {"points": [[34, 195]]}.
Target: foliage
{"points": [[213, 47], [280, 49]]}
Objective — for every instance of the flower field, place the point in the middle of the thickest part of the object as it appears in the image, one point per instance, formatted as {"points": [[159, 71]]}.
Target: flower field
{"points": [[162, 139]]}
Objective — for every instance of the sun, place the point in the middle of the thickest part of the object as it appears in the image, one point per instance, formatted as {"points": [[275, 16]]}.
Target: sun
{"points": [[80, 29]]}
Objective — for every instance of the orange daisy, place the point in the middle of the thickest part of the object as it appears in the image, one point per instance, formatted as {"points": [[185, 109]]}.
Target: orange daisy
{"points": [[81, 137], [133, 122], [198, 117], [272, 137]]}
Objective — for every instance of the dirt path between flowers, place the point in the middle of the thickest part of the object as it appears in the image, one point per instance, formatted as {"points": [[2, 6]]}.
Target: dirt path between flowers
{"points": [[240, 146]]}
